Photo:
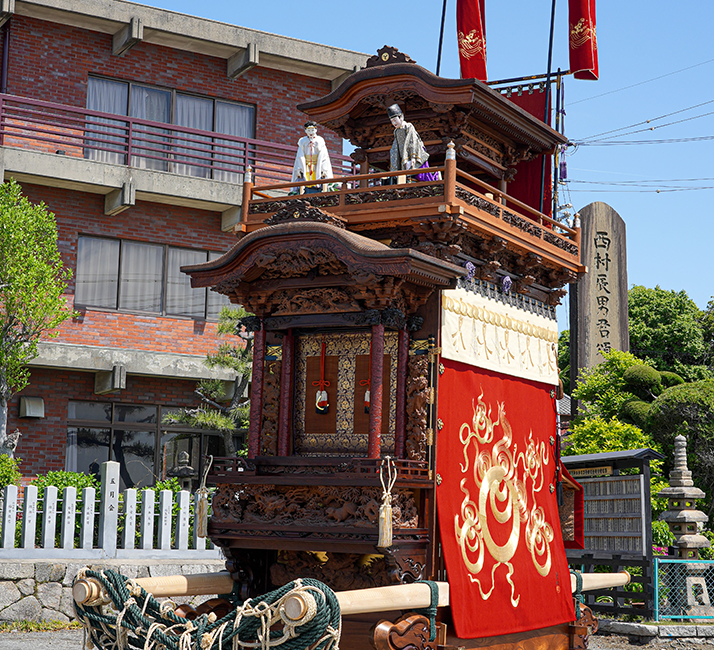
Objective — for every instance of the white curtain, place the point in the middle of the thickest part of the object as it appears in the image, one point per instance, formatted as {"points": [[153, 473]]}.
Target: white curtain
{"points": [[238, 120], [106, 96], [194, 113], [97, 272], [216, 301], [142, 268], [154, 105], [181, 299]]}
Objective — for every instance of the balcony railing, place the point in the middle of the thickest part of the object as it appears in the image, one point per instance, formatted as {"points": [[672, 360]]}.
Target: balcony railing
{"points": [[365, 198], [121, 140]]}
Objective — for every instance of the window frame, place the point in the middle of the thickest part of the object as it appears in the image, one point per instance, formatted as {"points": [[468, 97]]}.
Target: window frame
{"points": [[164, 280], [172, 109]]}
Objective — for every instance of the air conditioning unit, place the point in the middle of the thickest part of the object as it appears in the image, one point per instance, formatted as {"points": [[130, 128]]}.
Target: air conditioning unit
{"points": [[32, 407]]}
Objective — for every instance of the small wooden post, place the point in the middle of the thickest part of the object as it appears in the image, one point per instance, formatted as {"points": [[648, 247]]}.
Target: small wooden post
{"points": [[166, 501], [29, 517], [69, 516], [49, 517], [109, 508], [286, 390], [400, 420], [256, 393], [9, 516], [182, 521], [147, 520], [376, 389], [364, 169], [450, 174], [86, 531], [129, 518]]}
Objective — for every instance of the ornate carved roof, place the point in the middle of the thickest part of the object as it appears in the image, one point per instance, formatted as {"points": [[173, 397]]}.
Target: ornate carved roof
{"points": [[440, 108], [307, 267]]}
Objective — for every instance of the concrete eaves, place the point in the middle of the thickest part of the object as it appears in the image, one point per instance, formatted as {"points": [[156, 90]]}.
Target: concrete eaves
{"points": [[200, 35], [80, 174], [88, 358]]}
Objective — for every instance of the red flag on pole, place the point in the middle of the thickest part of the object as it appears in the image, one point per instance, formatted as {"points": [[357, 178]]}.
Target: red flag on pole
{"points": [[471, 31], [583, 40]]}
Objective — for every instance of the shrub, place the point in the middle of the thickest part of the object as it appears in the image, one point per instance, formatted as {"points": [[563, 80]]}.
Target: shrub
{"points": [[670, 379], [61, 480], [635, 411], [643, 380], [9, 473]]}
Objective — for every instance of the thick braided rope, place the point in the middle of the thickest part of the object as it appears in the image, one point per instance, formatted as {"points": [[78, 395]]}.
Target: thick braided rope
{"points": [[430, 612], [143, 623], [578, 595]]}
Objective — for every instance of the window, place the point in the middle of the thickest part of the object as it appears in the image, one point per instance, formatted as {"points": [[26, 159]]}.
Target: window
{"points": [[138, 276], [162, 149], [132, 435]]}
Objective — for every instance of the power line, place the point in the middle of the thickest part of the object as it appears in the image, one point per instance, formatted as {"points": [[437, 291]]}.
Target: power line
{"points": [[653, 119], [654, 128], [603, 143], [669, 74]]}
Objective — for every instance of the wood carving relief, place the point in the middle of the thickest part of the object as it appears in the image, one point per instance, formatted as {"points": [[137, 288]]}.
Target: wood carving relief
{"points": [[417, 400], [334, 506], [271, 409], [313, 301], [299, 262], [341, 571]]}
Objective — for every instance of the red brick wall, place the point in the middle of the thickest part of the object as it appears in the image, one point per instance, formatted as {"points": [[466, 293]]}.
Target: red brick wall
{"points": [[52, 62], [80, 213], [43, 442]]}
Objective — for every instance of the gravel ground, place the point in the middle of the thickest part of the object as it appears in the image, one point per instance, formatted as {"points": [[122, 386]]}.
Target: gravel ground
{"points": [[603, 642]]}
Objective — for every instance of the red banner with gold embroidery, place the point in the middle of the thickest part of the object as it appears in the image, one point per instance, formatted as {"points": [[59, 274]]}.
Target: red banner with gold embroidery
{"points": [[583, 39], [471, 32], [497, 504]]}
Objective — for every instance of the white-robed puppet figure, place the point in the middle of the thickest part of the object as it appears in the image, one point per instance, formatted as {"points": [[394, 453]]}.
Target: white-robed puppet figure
{"points": [[312, 161], [408, 151]]}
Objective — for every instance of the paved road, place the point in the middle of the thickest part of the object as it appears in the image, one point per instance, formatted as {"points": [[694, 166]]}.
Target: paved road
{"points": [[65, 640]]}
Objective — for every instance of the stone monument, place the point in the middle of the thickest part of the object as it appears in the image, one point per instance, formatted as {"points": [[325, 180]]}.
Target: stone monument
{"points": [[598, 303]]}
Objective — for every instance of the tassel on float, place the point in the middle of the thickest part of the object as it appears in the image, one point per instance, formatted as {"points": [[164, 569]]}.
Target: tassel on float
{"points": [[321, 401], [368, 382], [385, 510], [366, 401]]}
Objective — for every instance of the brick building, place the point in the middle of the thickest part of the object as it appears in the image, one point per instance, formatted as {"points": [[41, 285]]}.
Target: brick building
{"points": [[111, 115]]}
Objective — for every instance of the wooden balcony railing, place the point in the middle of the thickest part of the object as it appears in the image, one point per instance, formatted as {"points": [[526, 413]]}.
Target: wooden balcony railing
{"points": [[121, 140], [370, 197]]}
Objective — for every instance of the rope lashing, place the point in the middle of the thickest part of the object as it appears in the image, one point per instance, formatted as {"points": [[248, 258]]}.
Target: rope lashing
{"points": [[430, 612], [578, 593], [143, 623]]}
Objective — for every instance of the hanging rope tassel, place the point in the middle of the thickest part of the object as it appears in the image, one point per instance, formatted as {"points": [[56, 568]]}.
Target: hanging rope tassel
{"points": [[321, 402], [201, 510], [385, 510]]}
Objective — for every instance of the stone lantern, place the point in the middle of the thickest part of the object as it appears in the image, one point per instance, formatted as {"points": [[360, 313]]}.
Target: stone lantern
{"points": [[681, 515]]}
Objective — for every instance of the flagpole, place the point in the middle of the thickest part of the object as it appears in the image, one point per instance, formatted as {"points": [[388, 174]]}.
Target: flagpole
{"points": [[547, 97], [441, 39]]}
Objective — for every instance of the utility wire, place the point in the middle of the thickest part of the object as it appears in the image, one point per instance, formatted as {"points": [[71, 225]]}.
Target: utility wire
{"points": [[669, 74], [603, 143], [652, 128], [653, 119]]}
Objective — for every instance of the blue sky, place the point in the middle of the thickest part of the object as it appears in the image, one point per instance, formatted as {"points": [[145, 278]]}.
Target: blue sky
{"points": [[656, 59]]}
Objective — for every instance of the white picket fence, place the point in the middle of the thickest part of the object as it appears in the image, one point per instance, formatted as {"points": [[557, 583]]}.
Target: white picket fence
{"points": [[114, 521]]}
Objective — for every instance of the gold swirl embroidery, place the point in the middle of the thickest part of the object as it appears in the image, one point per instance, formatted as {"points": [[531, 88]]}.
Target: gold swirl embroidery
{"points": [[504, 483]]}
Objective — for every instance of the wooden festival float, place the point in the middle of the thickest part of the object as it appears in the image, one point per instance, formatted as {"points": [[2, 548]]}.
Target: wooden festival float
{"points": [[405, 356]]}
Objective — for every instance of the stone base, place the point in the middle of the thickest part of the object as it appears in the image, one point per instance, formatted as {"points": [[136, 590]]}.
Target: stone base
{"points": [[42, 591]]}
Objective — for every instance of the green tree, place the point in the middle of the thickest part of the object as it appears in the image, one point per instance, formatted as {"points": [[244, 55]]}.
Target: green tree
{"points": [[667, 330], [564, 359], [215, 412], [32, 282], [603, 390]]}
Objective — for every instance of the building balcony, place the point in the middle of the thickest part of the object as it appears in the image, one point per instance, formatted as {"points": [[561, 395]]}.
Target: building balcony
{"points": [[126, 158]]}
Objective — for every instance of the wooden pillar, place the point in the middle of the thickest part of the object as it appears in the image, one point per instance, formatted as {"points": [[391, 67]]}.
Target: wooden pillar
{"points": [[247, 197], [364, 169], [256, 393], [400, 420], [376, 390], [286, 391], [450, 174]]}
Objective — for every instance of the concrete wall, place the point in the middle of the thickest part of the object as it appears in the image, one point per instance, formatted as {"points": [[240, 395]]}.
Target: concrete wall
{"points": [[42, 591], [50, 61]]}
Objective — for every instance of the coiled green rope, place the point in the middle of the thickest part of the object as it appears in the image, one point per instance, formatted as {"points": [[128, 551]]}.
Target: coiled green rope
{"points": [[142, 622]]}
